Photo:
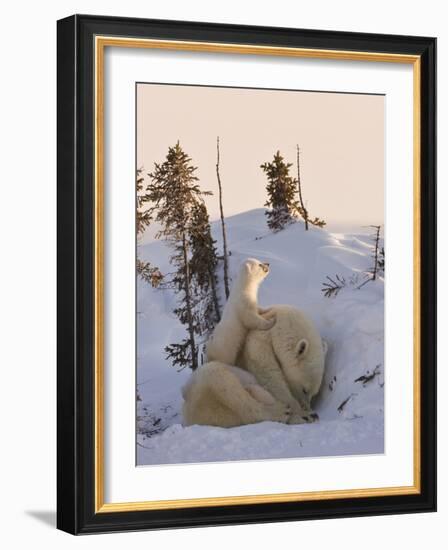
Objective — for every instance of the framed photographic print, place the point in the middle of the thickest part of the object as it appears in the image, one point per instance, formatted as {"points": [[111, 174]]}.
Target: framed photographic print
{"points": [[246, 274]]}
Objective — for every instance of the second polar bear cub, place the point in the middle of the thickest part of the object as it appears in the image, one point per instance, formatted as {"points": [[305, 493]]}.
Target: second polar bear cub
{"points": [[241, 314]]}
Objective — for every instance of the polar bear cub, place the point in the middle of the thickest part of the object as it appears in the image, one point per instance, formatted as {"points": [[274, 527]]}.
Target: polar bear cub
{"points": [[223, 395], [288, 360], [241, 314]]}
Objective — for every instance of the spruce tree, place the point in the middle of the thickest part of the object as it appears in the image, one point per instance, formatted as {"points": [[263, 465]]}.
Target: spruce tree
{"points": [[203, 265], [149, 273], [174, 193], [281, 189], [184, 353], [143, 216]]}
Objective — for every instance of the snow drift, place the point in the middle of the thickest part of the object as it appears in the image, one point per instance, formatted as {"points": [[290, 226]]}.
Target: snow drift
{"points": [[351, 401]]}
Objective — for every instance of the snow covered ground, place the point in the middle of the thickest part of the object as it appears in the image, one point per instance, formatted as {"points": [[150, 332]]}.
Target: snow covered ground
{"points": [[351, 411]]}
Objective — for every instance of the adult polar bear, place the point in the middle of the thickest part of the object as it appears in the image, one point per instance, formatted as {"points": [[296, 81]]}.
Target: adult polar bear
{"points": [[285, 357], [288, 360]]}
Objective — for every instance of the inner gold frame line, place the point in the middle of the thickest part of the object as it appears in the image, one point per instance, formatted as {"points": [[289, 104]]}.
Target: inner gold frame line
{"points": [[101, 42]]}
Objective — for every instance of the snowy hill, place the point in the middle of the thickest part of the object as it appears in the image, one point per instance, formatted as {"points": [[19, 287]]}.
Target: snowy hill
{"points": [[350, 410]]}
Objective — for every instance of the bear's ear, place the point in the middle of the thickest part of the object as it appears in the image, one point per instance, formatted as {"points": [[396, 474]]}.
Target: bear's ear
{"points": [[247, 267], [302, 348]]}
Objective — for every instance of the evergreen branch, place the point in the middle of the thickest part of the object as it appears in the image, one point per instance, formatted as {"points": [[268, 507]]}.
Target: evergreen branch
{"points": [[333, 287], [368, 377]]}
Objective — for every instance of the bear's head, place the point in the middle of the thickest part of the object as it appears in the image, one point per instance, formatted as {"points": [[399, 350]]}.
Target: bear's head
{"points": [[255, 270]]}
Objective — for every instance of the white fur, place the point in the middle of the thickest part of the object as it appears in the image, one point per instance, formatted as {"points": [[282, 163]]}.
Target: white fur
{"points": [[223, 395], [288, 360], [241, 314]]}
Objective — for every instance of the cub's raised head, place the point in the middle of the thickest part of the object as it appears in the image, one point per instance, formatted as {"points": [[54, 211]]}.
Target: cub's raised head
{"points": [[254, 269]]}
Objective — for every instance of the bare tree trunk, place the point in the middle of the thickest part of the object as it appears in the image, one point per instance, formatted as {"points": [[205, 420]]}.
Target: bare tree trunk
{"points": [[215, 295], [223, 225], [299, 185], [377, 242], [194, 359]]}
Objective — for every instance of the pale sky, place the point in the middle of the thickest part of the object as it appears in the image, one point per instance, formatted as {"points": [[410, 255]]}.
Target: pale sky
{"points": [[341, 138]]}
